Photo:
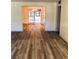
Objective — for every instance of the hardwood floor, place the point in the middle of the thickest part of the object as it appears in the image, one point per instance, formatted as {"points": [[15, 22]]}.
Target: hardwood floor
{"points": [[38, 45], [34, 27]]}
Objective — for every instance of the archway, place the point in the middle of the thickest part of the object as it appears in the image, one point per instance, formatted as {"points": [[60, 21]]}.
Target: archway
{"points": [[35, 17]]}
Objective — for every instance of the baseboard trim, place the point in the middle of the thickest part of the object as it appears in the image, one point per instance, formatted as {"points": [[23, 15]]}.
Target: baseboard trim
{"points": [[16, 31], [53, 31]]}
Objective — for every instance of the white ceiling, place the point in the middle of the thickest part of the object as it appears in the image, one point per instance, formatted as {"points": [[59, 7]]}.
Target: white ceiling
{"points": [[34, 0]]}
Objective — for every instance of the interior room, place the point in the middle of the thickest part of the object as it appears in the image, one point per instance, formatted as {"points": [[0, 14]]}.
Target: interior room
{"points": [[33, 16], [39, 29]]}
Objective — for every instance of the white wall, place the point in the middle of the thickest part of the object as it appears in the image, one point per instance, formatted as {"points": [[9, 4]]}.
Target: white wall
{"points": [[50, 22], [64, 20], [16, 18]]}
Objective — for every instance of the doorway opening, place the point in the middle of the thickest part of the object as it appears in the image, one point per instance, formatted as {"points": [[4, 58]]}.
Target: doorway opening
{"points": [[33, 18], [58, 18]]}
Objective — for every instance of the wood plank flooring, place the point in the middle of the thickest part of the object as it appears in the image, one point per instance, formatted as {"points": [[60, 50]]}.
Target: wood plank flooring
{"points": [[28, 27], [37, 45]]}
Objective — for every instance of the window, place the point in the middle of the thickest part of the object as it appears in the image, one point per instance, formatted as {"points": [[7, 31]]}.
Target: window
{"points": [[31, 14], [37, 13], [34, 16]]}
